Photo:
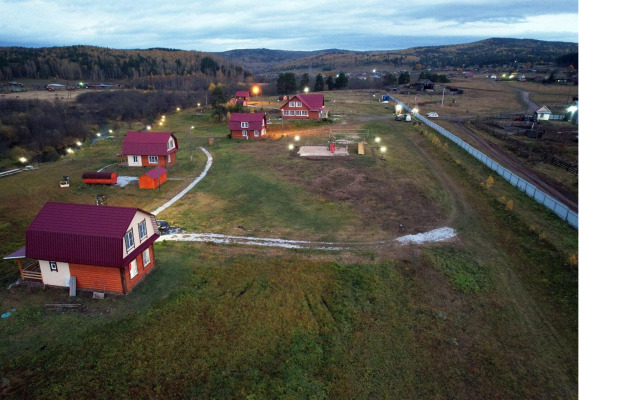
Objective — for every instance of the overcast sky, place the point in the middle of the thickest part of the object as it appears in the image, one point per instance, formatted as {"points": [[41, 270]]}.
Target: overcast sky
{"points": [[287, 25]]}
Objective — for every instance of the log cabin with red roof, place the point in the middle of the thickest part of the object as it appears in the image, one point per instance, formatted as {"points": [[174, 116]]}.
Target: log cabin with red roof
{"points": [[248, 126], [305, 106], [149, 149], [107, 249]]}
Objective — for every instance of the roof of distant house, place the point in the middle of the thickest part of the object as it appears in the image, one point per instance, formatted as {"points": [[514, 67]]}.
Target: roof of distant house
{"points": [[543, 110], [148, 143], [82, 234], [254, 119], [313, 101], [242, 93]]}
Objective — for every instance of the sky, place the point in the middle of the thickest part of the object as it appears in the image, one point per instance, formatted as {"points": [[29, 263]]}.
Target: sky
{"points": [[285, 25]]}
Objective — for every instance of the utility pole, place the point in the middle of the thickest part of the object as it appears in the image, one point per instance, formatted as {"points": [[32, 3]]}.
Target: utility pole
{"points": [[190, 147], [442, 105]]}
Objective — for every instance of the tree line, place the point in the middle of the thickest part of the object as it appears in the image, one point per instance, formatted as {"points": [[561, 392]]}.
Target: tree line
{"points": [[287, 83], [102, 64], [41, 129]]}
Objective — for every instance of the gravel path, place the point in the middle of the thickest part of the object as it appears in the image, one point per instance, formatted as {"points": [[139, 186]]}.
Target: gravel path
{"points": [[188, 188], [435, 235]]}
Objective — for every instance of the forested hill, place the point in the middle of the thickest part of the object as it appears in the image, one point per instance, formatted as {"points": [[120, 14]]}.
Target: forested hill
{"points": [[266, 59], [485, 52], [100, 64]]}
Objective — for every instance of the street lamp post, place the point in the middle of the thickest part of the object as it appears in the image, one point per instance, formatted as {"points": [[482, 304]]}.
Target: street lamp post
{"points": [[190, 147]]}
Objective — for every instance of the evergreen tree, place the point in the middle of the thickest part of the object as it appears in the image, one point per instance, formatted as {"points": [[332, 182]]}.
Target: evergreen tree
{"points": [[319, 86], [404, 78], [329, 83], [341, 81], [304, 81], [286, 83]]}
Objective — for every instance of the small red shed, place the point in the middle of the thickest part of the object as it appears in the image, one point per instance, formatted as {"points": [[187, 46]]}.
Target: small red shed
{"points": [[153, 179], [100, 178]]}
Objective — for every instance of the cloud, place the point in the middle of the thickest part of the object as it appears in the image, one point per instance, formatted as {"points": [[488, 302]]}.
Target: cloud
{"points": [[290, 25]]}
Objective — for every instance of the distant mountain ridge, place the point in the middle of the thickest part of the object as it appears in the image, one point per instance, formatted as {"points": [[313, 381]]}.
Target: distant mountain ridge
{"points": [[484, 52], [266, 59]]}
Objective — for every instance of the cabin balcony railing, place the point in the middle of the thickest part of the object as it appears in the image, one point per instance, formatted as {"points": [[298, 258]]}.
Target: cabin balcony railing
{"points": [[31, 271]]}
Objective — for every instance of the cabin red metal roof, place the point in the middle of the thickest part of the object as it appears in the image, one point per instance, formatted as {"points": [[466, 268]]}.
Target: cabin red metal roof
{"points": [[81, 234], [313, 101], [242, 93], [156, 172], [254, 119], [148, 143]]}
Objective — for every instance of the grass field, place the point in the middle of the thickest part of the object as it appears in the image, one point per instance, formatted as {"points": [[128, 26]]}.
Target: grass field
{"points": [[492, 313]]}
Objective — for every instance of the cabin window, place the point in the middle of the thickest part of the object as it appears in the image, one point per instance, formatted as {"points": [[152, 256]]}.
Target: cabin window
{"points": [[288, 112], [295, 104], [128, 240], [153, 159], [133, 268], [142, 230], [135, 159], [244, 124], [146, 258], [244, 133], [256, 133], [53, 265], [168, 158], [170, 144]]}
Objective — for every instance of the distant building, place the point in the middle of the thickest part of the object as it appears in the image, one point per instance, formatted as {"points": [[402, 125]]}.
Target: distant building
{"points": [[248, 125], [543, 113], [242, 96], [305, 106], [423, 84]]}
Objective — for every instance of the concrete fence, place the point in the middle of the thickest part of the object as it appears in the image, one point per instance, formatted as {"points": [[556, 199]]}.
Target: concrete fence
{"points": [[531, 190]]}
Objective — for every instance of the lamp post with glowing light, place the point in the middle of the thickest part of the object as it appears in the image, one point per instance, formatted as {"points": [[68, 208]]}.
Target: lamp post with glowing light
{"points": [[22, 159], [383, 150], [190, 147], [306, 89], [398, 109], [256, 91]]}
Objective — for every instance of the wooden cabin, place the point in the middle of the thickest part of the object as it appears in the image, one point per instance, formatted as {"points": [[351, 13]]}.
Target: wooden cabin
{"points": [[149, 149], [304, 106], [102, 248], [248, 125]]}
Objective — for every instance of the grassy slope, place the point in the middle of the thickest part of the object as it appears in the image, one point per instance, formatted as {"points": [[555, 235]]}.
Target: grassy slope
{"points": [[492, 314]]}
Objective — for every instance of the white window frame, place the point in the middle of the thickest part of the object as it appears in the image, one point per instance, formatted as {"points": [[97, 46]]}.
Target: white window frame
{"points": [[170, 144], [133, 268], [244, 133], [295, 104], [244, 124], [256, 133], [146, 258], [168, 158], [126, 244], [142, 225], [135, 159], [154, 157], [53, 266]]}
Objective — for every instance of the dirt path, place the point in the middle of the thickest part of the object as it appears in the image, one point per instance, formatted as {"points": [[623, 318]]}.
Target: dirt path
{"points": [[191, 185], [525, 97], [514, 164]]}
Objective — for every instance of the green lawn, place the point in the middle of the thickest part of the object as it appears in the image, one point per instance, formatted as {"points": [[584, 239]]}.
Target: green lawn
{"points": [[492, 313]]}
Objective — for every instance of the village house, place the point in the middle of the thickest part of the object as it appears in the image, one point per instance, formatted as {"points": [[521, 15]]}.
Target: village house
{"points": [[543, 113], [148, 149], [248, 125], [97, 248], [305, 106], [422, 85], [242, 96]]}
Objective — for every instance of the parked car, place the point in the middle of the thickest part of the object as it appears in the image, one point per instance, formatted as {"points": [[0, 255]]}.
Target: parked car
{"points": [[163, 226], [432, 115], [407, 117], [399, 117]]}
